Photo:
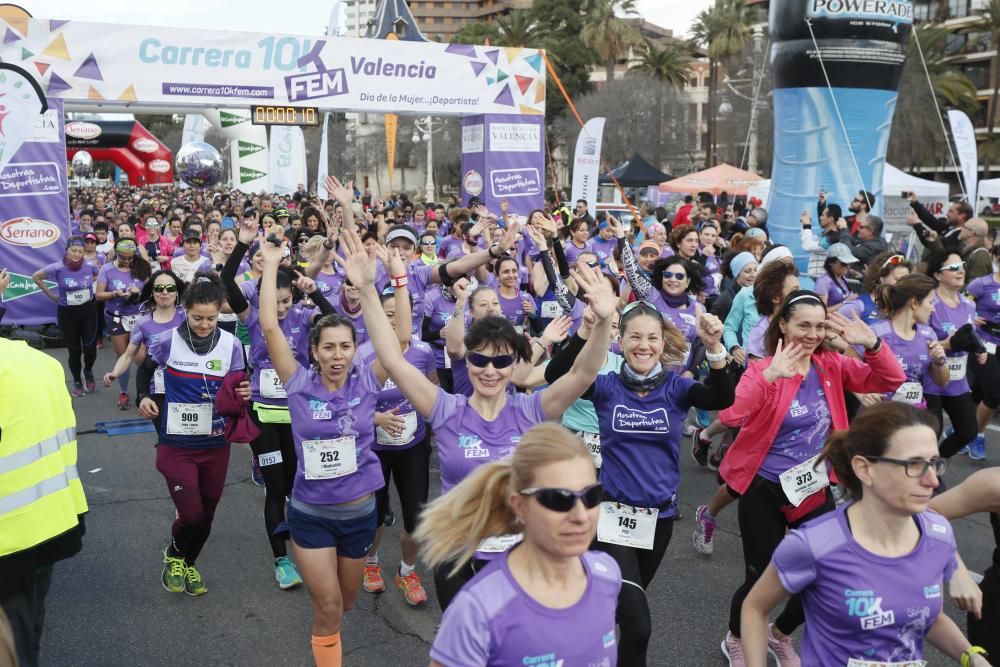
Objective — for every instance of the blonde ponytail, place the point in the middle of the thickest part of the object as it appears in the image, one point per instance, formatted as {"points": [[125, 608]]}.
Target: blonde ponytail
{"points": [[452, 526]]}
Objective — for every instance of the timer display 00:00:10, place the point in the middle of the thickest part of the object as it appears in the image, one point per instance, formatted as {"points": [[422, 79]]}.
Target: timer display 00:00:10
{"points": [[272, 115]]}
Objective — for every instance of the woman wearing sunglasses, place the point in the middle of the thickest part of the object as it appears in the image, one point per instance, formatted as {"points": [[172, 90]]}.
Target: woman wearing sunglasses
{"points": [[119, 285], [74, 310], [985, 378], [274, 447], [870, 575], [786, 405], [487, 425], [885, 269], [952, 320], [641, 410], [428, 249], [165, 290], [558, 597]]}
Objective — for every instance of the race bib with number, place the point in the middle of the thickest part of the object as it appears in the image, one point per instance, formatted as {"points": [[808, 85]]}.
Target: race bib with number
{"points": [[803, 480], [409, 429], [189, 418], [78, 297], [551, 310], [128, 321], [956, 367], [269, 458], [856, 662], [910, 392], [593, 442], [159, 387], [499, 544], [328, 459], [626, 525], [270, 384]]}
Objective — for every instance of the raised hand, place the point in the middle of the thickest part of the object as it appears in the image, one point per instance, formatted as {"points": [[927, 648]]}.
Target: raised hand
{"points": [[785, 362], [358, 265], [616, 226], [536, 236], [271, 253], [461, 290], [853, 329], [247, 232], [396, 264], [709, 330], [556, 331], [600, 296], [305, 284], [509, 237], [343, 193]]}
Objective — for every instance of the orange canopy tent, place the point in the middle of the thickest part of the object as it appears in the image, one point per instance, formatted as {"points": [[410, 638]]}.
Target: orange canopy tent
{"points": [[721, 178]]}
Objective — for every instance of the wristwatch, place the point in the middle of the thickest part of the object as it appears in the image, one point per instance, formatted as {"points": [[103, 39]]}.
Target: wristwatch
{"points": [[328, 244]]}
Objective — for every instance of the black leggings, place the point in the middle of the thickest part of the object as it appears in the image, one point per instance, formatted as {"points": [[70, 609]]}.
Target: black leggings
{"points": [[410, 468], [275, 452], [635, 624], [445, 379], [983, 632], [79, 329], [448, 586], [762, 527], [985, 382], [962, 413]]}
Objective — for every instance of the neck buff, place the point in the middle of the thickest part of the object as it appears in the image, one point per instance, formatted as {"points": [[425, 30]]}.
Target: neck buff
{"points": [[71, 265], [352, 311], [648, 382], [198, 344], [678, 301]]}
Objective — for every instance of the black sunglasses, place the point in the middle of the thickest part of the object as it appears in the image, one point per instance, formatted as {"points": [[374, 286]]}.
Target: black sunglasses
{"points": [[564, 500], [482, 361], [676, 276], [169, 289], [915, 467]]}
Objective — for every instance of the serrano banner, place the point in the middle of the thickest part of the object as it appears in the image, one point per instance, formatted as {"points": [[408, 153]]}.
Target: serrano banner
{"points": [[503, 158], [34, 217], [171, 67], [831, 138], [586, 162]]}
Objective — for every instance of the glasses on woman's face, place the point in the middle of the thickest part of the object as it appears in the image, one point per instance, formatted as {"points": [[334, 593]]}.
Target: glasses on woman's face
{"points": [[428, 243], [954, 268], [915, 467], [499, 361], [564, 500], [165, 289], [667, 275]]}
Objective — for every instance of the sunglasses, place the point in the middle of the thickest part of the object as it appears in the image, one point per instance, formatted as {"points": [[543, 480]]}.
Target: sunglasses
{"points": [[957, 266], [676, 276], [593, 264], [428, 243], [915, 467], [169, 289], [895, 260], [499, 361], [564, 500]]}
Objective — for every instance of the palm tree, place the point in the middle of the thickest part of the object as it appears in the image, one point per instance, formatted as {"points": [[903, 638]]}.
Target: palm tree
{"points": [[989, 22], [723, 30], [519, 28], [606, 33], [667, 65]]}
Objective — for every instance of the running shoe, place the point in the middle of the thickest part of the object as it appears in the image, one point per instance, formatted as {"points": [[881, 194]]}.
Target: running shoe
{"points": [[91, 385], [286, 573], [193, 583], [700, 448], [174, 570], [255, 472], [702, 417], [412, 589], [977, 448], [123, 401], [732, 648], [390, 517], [77, 390], [100, 343], [372, 581], [782, 650], [715, 458], [704, 528], [689, 428]]}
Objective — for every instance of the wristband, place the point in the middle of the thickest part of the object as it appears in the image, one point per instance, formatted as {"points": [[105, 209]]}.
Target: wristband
{"points": [[537, 342], [328, 244], [715, 358], [966, 657], [876, 347], [490, 250], [398, 281]]}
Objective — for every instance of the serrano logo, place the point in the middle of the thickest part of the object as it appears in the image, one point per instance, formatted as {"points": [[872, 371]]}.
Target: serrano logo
{"points": [[81, 130], [159, 166], [144, 145], [28, 232]]}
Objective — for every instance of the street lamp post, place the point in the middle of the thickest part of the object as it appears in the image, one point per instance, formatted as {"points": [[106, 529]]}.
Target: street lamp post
{"points": [[424, 131]]}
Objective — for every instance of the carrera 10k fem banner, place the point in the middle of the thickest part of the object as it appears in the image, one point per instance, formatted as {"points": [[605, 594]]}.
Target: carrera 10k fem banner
{"points": [[105, 62], [862, 44], [34, 214], [503, 159]]}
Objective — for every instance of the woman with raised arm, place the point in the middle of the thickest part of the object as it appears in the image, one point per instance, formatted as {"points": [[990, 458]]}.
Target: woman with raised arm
{"points": [[486, 426], [870, 574], [331, 514]]}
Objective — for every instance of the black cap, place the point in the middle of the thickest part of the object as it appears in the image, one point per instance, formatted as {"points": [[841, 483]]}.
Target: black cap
{"points": [[474, 201], [281, 213], [192, 235]]}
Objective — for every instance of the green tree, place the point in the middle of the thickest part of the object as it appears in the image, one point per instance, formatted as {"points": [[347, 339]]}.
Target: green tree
{"points": [[723, 30], [607, 34], [519, 28], [989, 22], [670, 64]]}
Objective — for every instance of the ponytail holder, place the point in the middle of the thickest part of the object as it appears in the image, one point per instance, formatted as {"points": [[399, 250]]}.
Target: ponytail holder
{"points": [[202, 279]]}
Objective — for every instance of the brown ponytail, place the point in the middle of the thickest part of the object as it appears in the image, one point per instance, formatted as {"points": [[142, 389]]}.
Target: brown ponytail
{"points": [[890, 299]]}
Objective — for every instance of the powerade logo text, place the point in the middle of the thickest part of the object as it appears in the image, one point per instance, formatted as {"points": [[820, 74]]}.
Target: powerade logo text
{"points": [[894, 10]]}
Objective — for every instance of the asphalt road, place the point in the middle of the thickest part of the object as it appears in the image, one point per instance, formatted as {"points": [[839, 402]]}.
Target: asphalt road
{"points": [[107, 606]]}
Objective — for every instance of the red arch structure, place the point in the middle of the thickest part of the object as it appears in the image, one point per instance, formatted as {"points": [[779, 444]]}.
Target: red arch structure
{"points": [[126, 143]]}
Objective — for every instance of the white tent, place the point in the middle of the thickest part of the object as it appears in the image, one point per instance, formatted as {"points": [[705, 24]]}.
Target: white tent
{"points": [[894, 184]]}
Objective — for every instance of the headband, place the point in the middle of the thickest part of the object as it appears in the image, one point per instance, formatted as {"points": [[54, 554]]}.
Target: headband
{"points": [[75, 241], [125, 246]]}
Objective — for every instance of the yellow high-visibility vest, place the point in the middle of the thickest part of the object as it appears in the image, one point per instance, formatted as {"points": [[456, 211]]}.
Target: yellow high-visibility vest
{"points": [[41, 496]]}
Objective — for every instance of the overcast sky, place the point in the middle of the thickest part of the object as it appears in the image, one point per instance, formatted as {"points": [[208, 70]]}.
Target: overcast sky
{"points": [[308, 18]]}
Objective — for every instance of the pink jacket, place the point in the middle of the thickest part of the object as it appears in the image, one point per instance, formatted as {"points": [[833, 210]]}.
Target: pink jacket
{"points": [[760, 407]]}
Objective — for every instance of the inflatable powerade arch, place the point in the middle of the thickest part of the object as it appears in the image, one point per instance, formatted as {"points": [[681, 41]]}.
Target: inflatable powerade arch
{"points": [[817, 127], [126, 143]]}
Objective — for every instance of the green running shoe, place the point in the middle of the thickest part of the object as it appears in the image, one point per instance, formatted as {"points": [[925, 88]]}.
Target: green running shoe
{"points": [[193, 583], [286, 573], [174, 570]]}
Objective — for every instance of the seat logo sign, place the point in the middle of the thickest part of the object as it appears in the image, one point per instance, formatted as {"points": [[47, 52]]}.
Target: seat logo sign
{"points": [[28, 232], [321, 83]]}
